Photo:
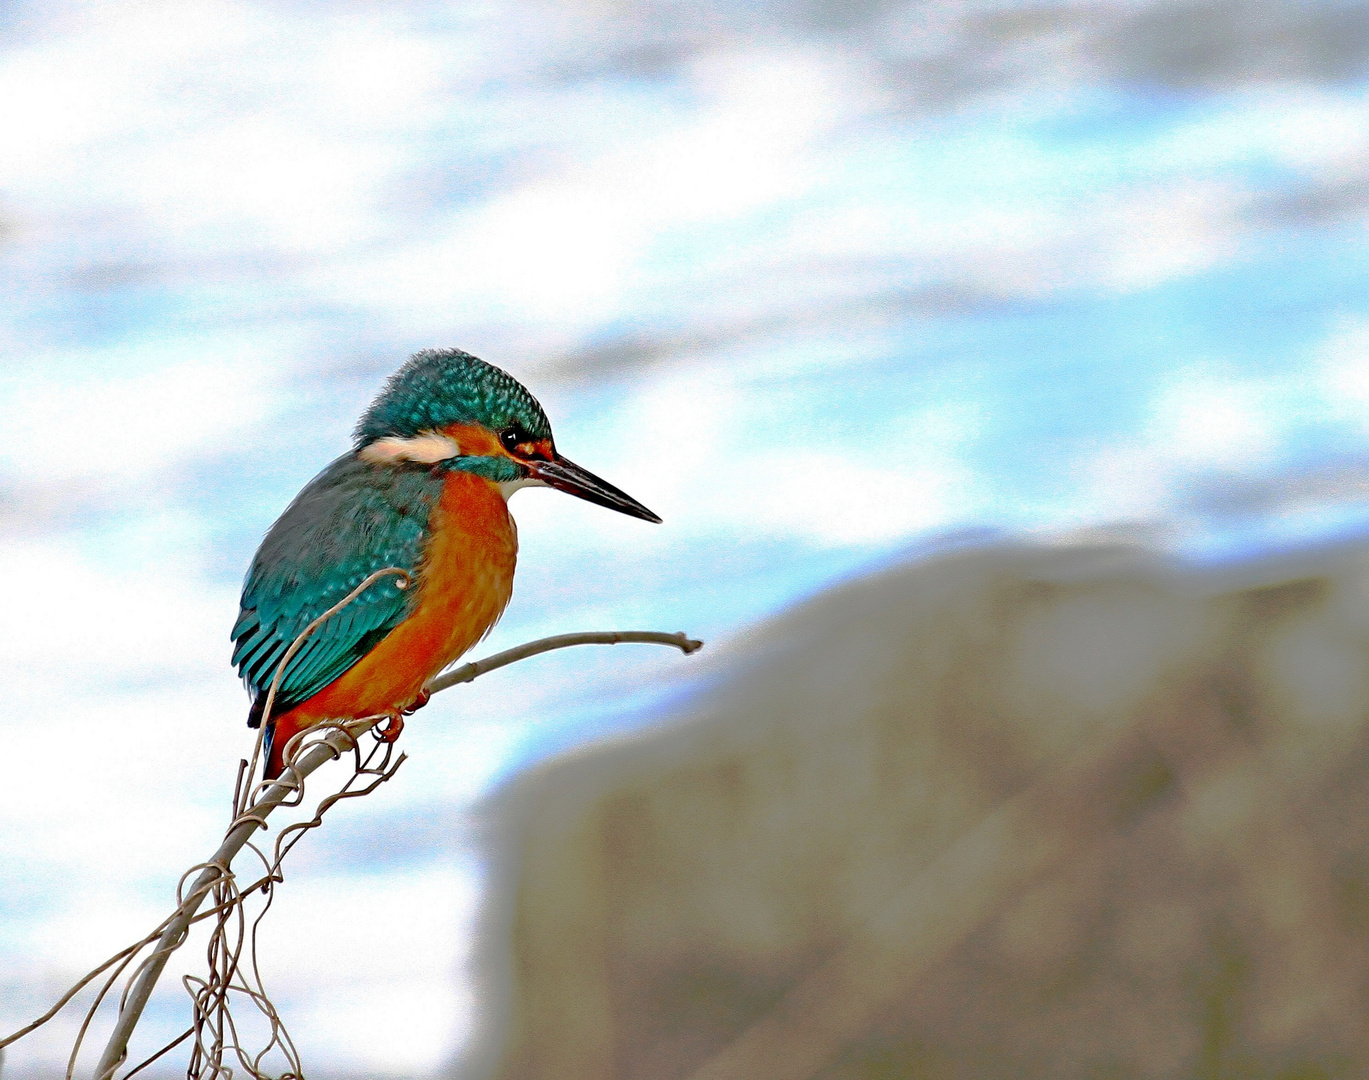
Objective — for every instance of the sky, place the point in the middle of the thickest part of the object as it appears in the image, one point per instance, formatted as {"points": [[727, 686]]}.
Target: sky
{"points": [[823, 284]]}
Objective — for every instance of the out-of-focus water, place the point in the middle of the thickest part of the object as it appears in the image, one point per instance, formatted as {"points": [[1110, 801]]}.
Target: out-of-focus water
{"points": [[819, 283]]}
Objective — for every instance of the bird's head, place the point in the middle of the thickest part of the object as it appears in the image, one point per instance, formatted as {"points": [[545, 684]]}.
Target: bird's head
{"points": [[445, 407]]}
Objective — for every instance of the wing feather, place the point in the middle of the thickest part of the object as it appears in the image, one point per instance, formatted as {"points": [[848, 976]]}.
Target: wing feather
{"points": [[351, 520]]}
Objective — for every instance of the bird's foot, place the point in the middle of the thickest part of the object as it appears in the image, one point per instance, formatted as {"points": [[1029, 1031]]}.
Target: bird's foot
{"points": [[423, 698], [395, 723]]}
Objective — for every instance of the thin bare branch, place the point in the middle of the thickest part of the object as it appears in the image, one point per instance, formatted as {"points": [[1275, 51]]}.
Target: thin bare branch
{"points": [[305, 753], [80, 985], [470, 672], [333, 745]]}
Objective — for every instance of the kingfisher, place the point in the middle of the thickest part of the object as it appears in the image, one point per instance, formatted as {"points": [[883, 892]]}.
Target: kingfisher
{"points": [[424, 489]]}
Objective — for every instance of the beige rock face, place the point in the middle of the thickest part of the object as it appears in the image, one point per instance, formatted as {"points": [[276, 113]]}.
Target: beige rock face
{"points": [[1057, 812]]}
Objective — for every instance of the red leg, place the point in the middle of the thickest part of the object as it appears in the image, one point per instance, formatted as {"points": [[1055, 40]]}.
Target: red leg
{"points": [[395, 724], [390, 732], [423, 697]]}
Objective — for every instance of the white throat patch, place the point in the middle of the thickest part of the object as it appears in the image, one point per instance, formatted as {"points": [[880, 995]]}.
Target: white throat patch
{"points": [[508, 487], [428, 447]]}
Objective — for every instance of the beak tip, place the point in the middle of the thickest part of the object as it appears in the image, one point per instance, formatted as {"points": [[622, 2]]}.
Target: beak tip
{"points": [[572, 479], [633, 508]]}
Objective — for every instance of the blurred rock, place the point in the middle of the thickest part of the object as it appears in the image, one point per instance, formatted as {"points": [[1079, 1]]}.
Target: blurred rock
{"points": [[1027, 812]]}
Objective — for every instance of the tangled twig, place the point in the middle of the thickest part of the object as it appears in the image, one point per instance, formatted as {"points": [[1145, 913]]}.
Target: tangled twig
{"points": [[213, 1030]]}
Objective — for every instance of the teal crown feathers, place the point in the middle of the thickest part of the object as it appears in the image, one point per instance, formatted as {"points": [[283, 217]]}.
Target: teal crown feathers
{"points": [[438, 387]]}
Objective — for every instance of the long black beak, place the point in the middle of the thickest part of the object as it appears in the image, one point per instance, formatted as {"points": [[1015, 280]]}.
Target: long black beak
{"points": [[567, 476]]}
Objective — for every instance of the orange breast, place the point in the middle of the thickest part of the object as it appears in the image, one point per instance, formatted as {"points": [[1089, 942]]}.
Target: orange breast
{"points": [[464, 585]]}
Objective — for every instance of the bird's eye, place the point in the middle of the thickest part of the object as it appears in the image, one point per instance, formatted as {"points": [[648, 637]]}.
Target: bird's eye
{"points": [[512, 436]]}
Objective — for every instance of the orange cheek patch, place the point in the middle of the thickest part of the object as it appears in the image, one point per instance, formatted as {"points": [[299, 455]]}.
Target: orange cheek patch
{"points": [[474, 440]]}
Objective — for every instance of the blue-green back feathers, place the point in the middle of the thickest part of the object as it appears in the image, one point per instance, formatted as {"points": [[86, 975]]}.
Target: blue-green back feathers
{"points": [[349, 521]]}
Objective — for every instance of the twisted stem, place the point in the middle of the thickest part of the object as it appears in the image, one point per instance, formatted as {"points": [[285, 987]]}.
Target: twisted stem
{"points": [[341, 738]]}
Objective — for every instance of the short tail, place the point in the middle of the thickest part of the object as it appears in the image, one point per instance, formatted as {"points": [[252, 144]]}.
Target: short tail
{"points": [[279, 732]]}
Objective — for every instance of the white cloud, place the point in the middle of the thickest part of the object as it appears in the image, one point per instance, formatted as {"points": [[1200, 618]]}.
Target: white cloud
{"points": [[1202, 419], [1205, 420], [66, 615], [1304, 127], [722, 458], [1143, 238], [219, 127], [830, 499], [80, 417], [338, 947], [1343, 369], [567, 247], [99, 78]]}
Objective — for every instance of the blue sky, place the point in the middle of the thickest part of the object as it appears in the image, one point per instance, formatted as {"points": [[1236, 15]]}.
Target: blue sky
{"points": [[819, 285]]}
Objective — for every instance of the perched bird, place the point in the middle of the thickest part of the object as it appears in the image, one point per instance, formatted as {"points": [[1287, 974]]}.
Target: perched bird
{"points": [[424, 488]]}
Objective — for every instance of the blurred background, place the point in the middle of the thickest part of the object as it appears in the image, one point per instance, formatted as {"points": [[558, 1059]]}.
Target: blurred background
{"points": [[829, 286]]}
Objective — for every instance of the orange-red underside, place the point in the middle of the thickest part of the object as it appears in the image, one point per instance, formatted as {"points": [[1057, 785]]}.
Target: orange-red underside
{"points": [[464, 585]]}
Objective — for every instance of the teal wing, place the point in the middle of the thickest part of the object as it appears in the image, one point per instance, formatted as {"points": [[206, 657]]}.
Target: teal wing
{"points": [[350, 521]]}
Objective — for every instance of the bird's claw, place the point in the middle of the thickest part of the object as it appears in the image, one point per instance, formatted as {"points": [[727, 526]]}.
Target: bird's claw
{"points": [[395, 723], [423, 697]]}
